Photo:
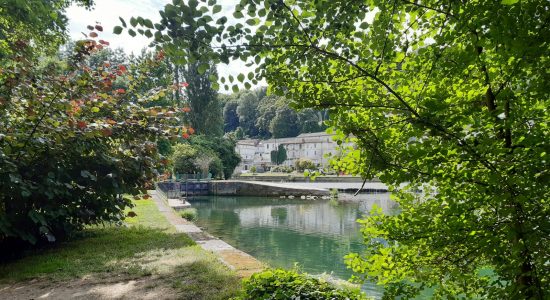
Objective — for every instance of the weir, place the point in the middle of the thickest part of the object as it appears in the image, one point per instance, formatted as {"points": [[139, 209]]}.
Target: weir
{"points": [[184, 189], [179, 190]]}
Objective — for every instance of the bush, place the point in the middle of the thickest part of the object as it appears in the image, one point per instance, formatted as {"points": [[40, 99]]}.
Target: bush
{"points": [[216, 168], [304, 164], [282, 169], [224, 149], [282, 284], [66, 154], [183, 159], [190, 214]]}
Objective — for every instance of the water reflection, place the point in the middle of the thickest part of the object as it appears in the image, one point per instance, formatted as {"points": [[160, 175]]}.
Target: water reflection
{"points": [[315, 234]]}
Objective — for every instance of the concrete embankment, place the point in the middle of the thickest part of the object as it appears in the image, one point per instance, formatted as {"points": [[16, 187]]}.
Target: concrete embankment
{"points": [[298, 178], [243, 263], [263, 189]]}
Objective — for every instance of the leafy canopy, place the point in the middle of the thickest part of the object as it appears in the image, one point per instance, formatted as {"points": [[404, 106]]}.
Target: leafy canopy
{"points": [[74, 136], [447, 102]]}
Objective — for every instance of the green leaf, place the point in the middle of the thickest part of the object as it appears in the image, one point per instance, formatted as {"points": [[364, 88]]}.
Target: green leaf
{"points": [[133, 21], [131, 32], [240, 77], [238, 15], [262, 12], [509, 2], [253, 22], [117, 30], [202, 68], [216, 9], [122, 21], [147, 23]]}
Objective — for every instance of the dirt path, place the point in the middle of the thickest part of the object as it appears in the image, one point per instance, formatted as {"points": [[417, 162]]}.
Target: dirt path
{"points": [[150, 287]]}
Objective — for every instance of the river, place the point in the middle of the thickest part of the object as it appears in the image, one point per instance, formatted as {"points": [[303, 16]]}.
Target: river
{"points": [[314, 234]]}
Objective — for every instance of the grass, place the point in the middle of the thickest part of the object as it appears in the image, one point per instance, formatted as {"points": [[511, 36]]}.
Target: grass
{"points": [[147, 215], [148, 246], [190, 214]]}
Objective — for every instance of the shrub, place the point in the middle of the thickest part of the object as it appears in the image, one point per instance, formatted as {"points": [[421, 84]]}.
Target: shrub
{"points": [[71, 144], [190, 214], [183, 159], [282, 284], [224, 149], [216, 168], [304, 164]]}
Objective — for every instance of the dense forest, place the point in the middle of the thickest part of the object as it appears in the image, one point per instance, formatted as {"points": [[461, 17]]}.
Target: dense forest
{"points": [[254, 114]]}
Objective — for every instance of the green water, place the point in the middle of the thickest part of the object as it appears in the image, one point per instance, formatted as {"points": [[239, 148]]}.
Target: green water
{"points": [[283, 232]]}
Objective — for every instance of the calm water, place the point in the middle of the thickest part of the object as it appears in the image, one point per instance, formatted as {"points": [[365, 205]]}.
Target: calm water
{"points": [[282, 232]]}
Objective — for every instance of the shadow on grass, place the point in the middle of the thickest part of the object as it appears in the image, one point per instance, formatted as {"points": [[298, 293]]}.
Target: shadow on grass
{"points": [[97, 250], [205, 280]]}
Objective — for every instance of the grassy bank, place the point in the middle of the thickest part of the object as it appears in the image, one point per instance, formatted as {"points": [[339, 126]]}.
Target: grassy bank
{"points": [[148, 250]]}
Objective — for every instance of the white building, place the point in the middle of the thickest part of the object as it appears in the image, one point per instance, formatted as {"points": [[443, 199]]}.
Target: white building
{"points": [[313, 146]]}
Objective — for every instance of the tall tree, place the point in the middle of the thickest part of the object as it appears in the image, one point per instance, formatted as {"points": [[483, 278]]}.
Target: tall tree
{"points": [[203, 99], [278, 156], [195, 74], [248, 113], [267, 109], [285, 123], [230, 116]]}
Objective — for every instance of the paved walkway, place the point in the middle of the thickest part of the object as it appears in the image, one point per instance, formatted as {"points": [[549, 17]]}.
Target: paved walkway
{"points": [[244, 264]]}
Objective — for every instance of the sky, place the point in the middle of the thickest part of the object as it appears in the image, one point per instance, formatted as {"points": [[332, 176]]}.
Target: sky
{"points": [[107, 13]]}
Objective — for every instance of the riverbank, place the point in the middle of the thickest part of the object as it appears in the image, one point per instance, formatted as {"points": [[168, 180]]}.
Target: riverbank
{"points": [[242, 263], [147, 259]]}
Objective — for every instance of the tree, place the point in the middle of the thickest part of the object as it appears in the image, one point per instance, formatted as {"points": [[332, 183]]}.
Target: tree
{"points": [[248, 113], [230, 116], [446, 102], [278, 156], [450, 99], [71, 144], [285, 123], [204, 159], [97, 59], [201, 96], [267, 109], [203, 100], [183, 159], [224, 148]]}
